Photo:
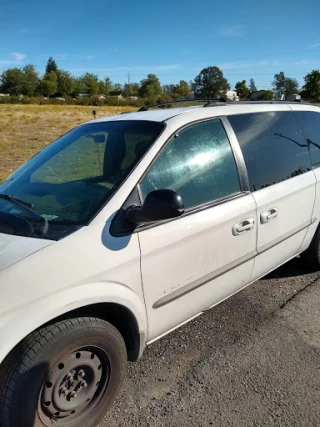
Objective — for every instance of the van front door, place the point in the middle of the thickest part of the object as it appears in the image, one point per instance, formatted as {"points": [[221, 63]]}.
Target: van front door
{"points": [[195, 261]]}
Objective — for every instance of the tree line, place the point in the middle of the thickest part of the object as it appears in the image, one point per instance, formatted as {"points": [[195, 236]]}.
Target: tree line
{"points": [[209, 83]]}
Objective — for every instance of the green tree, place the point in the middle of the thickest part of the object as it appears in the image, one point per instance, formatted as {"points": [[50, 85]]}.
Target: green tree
{"points": [[49, 84], [150, 88], [285, 85], [279, 83], [131, 89], [165, 97], [31, 80], [252, 86], [89, 84], [105, 86], [181, 90], [292, 86], [266, 95], [65, 83], [210, 83], [76, 87], [12, 81], [311, 88], [51, 65], [101, 87], [168, 89], [117, 86], [242, 90]]}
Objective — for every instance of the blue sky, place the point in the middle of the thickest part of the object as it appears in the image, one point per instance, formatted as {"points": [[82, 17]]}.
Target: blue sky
{"points": [[174, 39]]}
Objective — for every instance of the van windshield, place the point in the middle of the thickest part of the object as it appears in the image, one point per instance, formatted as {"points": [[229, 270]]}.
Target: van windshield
{"points": [[68, 182]]}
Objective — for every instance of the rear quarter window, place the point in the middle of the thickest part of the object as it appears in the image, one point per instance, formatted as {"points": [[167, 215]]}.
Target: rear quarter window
{"points": [[310, 122], [273, 147]]}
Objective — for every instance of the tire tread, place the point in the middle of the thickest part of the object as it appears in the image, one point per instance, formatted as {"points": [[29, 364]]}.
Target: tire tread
{"points": [[25, 354]]}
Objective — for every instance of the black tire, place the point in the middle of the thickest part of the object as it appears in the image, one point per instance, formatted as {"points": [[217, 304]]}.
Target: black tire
{"points": [[37, 370], [311, 257]]}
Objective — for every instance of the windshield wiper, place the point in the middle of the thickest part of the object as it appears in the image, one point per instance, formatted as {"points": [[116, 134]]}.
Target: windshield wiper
{"points": [[28, 208], [15, 200]]}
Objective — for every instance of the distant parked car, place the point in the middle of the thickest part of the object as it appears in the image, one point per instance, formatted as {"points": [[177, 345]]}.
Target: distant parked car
{"points": [[129, 226]]}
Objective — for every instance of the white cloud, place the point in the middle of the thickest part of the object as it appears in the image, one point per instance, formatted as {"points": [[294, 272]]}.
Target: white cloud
{"points": [[232, 31], [134, 69], [15, 59], [315, 45], [233, 65], [18, 56], [308, 62]]}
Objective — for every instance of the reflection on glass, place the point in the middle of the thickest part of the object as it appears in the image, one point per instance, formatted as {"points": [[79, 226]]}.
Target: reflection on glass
{"points": [[198, 164], [70, 180], [273, 146]]}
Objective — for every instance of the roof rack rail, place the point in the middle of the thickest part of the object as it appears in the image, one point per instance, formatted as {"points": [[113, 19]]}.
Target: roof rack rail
{"points": [[268, 102], [175, 101]]}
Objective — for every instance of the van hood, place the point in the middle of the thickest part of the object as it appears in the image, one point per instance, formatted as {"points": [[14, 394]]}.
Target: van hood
{"points": [[15, 248]]}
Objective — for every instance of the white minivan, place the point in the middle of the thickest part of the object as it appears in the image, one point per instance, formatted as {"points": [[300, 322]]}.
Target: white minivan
{"points": [[127, 227]]}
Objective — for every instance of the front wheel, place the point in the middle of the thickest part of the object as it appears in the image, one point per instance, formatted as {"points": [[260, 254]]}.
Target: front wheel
{"points": [[66, 374]]}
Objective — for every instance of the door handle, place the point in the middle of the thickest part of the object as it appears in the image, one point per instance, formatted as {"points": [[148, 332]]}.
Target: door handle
{"points": [[268, 215], [243, 226]]}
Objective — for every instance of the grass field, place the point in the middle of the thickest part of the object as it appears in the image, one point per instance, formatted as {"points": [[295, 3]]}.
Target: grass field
{"points": [[26, 129]]}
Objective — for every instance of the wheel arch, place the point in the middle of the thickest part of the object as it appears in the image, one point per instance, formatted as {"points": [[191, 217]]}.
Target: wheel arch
{"points": [[120, 306], [120, 317]]}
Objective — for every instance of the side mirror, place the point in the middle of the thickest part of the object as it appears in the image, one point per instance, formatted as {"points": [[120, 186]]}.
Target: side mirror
{"points": [[158, 205]]}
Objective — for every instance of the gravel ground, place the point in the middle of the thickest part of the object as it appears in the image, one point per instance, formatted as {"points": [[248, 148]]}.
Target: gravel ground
{"points": [[254, 360]]}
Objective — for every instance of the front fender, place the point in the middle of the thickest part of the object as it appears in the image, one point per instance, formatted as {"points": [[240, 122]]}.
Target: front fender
{"points": [[17, 324]]}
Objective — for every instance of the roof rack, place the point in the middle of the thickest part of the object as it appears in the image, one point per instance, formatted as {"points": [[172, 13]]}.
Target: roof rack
{"points": [[265, 102], [207, 101], [215, 102]]}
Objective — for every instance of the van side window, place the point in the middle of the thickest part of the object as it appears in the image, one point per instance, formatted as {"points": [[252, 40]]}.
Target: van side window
{"points": [[311, 127], [273, 146], [198, 164]]}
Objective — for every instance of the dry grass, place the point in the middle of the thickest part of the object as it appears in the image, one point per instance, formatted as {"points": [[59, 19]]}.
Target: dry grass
{"points": [[26, 129]]}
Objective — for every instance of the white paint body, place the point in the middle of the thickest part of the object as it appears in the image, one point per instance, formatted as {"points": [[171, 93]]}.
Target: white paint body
{"points": [[40, 279]]}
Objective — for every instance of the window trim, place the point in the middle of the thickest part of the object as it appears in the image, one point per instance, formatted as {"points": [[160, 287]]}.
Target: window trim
{"points": [[238, 155], [129, 175], [234, 145], [239, 163]]}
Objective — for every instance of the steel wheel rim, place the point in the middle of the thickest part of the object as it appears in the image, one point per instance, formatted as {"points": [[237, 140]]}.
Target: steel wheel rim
{"points": [[74, 386]]}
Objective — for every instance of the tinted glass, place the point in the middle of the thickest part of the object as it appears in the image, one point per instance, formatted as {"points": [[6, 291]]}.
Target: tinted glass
{"points": [[198, 164], [69, 181], [80, 160], [273, 147], [310, 121]]}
